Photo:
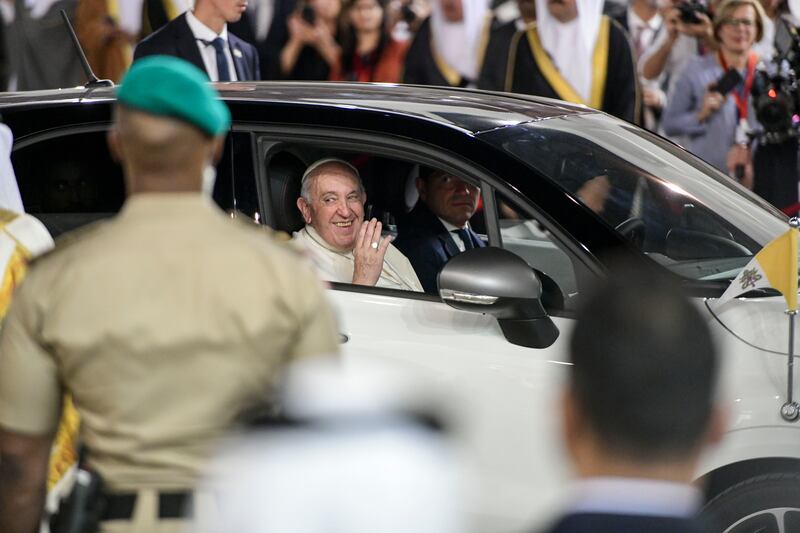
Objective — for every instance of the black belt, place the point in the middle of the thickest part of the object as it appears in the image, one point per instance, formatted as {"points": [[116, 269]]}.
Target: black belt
{"points": [[170, 505]]}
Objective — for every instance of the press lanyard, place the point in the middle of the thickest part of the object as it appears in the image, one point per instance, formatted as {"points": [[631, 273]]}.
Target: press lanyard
{"points": [[742, 99]]}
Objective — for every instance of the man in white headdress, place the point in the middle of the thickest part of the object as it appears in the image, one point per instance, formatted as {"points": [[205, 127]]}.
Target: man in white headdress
{"points": [[572, 53], [22, 237], [448, 47], [342, 245]]}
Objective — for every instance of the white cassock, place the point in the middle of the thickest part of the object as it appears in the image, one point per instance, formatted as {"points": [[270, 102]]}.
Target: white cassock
{"points": [[338, 267]]}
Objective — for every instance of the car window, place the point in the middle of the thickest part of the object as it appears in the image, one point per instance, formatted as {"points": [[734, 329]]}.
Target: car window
{"points": [[676, 209], [71, 180], [530, 240], [391, 195]]}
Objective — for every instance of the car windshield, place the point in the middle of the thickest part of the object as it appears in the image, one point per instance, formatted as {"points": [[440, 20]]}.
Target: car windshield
{"points": [[678, 210]]}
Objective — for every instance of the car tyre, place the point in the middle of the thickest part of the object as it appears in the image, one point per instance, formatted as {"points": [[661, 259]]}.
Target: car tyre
{"points": [[768, 503]]}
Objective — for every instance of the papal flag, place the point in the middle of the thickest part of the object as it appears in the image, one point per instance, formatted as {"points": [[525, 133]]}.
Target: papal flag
{"points": [[775, 266]]}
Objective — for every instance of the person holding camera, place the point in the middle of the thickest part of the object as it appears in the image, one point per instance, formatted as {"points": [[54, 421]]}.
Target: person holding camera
{"points": [[313, 47], [370, 53], [689, 33], [711, 103]]}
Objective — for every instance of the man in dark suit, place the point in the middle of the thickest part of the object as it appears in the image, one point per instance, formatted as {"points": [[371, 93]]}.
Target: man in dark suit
{"points": [[639, 409], [438, 226], [201, 37]]}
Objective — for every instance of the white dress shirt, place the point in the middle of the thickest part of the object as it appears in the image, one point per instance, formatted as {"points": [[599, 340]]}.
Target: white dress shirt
{"points": [[203, 34], [642, 497], [642, 32], [455, 236]]}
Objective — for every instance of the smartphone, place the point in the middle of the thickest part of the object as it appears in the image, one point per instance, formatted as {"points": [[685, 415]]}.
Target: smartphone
{"points": [[308, 14], [728, 81]]}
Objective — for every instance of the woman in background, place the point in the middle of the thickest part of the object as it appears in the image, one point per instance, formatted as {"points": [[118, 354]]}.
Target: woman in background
{"points": [[717, 124], [370, 54], [313, 47]]}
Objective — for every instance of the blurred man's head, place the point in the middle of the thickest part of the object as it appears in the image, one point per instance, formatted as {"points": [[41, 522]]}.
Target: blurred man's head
{"points": [[448, 197], [527, 10], [453, 10], [332, 202], [168, 126], [563, 10], [208, 11], [641, 389]]}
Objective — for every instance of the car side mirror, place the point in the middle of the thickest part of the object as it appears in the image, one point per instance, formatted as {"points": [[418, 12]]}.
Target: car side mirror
{"points": [[497, 282]]}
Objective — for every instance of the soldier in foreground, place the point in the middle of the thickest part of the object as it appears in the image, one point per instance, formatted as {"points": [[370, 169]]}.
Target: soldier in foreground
{"points": [[167, 324]]}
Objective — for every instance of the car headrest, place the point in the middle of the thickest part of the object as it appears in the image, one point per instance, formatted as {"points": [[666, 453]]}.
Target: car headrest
{"points": [[284, 174]]}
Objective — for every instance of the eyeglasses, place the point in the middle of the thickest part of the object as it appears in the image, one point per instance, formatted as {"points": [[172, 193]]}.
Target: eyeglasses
{"points": [[747, 23]]}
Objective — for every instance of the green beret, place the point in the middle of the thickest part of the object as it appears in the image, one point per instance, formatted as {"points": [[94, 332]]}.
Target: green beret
{"points": [[171, 87]]}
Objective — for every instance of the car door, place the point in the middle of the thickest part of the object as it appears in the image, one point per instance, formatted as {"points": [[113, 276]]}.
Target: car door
{"points": [[504, 396]]}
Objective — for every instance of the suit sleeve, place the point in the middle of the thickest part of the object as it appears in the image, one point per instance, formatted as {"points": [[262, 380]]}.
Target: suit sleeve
{"points": [[426, 262], [143, 49]]}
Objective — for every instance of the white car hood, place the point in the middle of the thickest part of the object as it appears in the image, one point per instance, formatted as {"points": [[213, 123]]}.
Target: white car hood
{"points": [[760, 322]]}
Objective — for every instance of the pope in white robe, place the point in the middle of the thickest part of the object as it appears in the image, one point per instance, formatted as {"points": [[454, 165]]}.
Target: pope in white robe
{"points": [[343, 246]]}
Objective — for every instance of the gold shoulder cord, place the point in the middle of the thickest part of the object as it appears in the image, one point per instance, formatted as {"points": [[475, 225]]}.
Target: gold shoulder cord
{"points": [[484, 42], [450, 74], [600, 63], [512, 60], [171, 10]]}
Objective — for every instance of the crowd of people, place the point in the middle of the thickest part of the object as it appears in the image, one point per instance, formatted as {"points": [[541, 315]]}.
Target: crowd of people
{"points": [[657, 63], [163, 370]]}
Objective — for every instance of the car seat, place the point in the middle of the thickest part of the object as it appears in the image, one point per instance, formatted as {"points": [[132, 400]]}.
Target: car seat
{"points": [[284, 175]]}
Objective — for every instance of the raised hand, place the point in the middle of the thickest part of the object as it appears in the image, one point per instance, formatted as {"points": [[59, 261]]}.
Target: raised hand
{"points": [[369, 253]]}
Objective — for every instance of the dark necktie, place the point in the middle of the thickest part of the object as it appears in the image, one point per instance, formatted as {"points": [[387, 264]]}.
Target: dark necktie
{"points": [[223, 74], [465, 238]]}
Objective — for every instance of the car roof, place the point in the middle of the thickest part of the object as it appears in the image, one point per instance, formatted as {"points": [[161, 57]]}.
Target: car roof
{"points": [[466, 109]]}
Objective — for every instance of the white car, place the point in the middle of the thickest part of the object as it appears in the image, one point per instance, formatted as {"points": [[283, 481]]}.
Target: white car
{"points": [[496, 336]]}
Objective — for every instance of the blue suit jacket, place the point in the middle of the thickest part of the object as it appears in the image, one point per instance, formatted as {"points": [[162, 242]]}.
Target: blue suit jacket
{"points": [[176, 39], [428, 245], [615, 523]]}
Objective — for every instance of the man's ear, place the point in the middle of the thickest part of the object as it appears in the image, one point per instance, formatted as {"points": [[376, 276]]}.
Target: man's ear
{"points": [[717, 424], [570, 421], [218, 148], [422, 188], [114, 147], [305, 209]]}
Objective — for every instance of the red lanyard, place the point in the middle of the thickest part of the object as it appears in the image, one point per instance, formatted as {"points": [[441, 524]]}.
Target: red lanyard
{"points": [[741, 99]]}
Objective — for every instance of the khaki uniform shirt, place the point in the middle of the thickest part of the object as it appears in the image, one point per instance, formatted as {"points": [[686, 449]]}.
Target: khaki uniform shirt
{"points": [[165, 324]]}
